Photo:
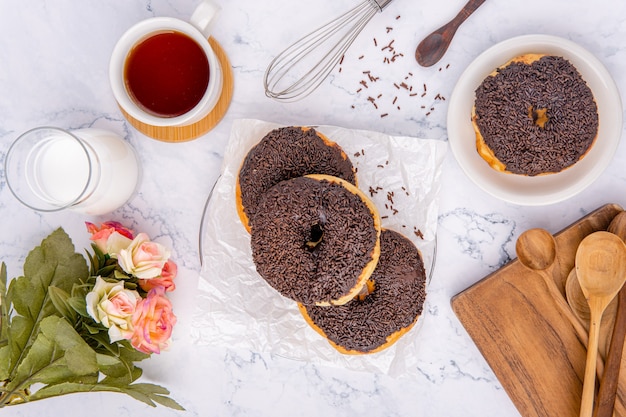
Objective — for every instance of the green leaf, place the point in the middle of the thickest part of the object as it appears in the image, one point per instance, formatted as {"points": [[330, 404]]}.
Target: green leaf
{"points": [[53, 263], [112, 366], [18, 338], [97, 330], [24, 294], [5, 354], [58, 354], [60, 301], [79, 305], [120, 275], [132, 374], [4, 306], [93, 262], [130, 354], [147, 393], [107, 271]]}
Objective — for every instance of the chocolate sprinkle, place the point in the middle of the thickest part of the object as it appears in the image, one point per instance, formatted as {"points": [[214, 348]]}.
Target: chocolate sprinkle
{"points": [[288, 216], [395, 304], [285, 153], [502, 105]]}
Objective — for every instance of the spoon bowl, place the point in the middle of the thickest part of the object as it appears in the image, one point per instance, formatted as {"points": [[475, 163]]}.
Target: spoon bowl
{"points": [[435, 45], [600, 262], [618, 225], [536, 250]]}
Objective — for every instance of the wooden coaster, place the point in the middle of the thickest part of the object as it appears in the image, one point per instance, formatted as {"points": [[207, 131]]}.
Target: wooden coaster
{"points": [[199, 128]]}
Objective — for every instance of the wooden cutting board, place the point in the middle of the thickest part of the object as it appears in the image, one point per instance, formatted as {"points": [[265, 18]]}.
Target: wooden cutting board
{"points": [[531, 347]]}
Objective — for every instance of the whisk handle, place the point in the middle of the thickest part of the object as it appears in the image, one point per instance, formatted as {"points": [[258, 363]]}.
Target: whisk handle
{"points": [[380, 4]]}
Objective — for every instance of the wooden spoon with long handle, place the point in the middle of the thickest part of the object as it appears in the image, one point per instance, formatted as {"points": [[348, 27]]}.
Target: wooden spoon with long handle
{"points": [[605, 402], [600, 266], [536, 250]]}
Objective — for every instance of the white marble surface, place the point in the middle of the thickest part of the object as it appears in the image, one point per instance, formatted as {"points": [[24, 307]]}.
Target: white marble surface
{"points": [[53, 71]]}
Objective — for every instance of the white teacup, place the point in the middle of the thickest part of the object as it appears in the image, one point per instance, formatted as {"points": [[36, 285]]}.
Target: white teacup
{"points": [[139, 36]]}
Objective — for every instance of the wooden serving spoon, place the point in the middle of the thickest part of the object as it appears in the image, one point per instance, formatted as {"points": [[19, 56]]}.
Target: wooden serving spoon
{"points": [[610, 378], [577, 302], [432, 48], [600, 265], [536, 250]]}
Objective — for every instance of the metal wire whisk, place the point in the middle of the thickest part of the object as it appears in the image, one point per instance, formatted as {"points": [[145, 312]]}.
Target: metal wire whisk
{"points": [[315, 55]]}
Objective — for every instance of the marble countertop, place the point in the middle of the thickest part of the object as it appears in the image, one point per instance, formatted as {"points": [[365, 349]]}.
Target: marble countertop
{"points": [[54, 71]]}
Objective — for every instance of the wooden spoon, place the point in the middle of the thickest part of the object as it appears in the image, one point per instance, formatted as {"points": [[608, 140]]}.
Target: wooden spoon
{"points": [[536, 250], [610, 378], [600, 266], [432, 48], [618, 225], [578, 303]]}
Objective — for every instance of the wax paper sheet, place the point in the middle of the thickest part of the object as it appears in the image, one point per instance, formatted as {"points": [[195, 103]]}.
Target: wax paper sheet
{"points": [[235, 307]]}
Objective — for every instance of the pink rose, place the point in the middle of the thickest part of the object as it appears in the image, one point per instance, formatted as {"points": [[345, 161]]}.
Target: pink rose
{"points": [[165, 280], [113, 305], [110, 237], [153, 322], [143, 258]]}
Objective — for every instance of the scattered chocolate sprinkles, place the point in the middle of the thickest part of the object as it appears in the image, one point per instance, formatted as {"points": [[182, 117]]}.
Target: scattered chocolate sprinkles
{"points": [[286, 153], [395, 303], [502, 108], [409, 97], [286, 219]]}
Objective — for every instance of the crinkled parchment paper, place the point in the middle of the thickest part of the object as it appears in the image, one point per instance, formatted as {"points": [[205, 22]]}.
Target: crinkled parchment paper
{"points": [[237, 308]]}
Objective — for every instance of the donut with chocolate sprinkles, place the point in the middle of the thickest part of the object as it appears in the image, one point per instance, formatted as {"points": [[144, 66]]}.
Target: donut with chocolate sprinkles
{"points": [[535, 115], [315, 239], [394, 301], [286, 153]]}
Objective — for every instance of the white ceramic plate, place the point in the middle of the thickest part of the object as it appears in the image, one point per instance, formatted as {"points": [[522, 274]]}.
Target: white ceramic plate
{"points": [[544, 189]]}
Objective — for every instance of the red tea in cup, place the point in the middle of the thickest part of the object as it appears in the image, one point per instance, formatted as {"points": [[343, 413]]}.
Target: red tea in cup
{"points": [[164, 71], [167, 74]]}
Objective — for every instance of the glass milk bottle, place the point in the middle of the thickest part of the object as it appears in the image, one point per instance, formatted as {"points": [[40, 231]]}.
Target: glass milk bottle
{"points": [[91, 171]]}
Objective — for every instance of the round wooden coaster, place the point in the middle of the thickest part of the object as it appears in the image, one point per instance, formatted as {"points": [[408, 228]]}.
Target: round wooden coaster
{"points": [[199, 128]]}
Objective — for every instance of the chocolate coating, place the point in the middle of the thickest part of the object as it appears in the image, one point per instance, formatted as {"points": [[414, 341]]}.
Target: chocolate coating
{"points": [[394, 305], [504, 100], [311, 239], [286, 153]]}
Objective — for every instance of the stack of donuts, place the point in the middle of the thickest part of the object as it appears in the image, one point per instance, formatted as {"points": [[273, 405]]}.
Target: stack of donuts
{"points": [[317, 239]]}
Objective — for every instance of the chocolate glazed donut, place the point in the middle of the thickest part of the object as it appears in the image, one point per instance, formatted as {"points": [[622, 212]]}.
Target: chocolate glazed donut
{"points": [[283, 154], [315, 239], [535, 115], [374, 321]]}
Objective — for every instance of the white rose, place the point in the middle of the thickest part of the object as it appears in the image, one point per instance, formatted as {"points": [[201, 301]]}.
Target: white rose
{"points": [[143, 258], [113, 305]]}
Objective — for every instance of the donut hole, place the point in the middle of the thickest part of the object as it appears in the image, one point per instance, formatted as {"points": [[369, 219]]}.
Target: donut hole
{"points": [[315, 237], [538, 115]]}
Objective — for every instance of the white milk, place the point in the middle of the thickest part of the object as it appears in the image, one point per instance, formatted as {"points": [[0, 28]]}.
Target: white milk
{"points": [[60, 171]]}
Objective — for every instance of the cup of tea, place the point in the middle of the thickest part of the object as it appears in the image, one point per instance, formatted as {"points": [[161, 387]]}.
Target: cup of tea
{"points": [[164, 72], [90, 171]]}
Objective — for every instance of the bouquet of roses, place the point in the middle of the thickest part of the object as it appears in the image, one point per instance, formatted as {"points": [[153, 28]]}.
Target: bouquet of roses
{"points": [[68, 327]]}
